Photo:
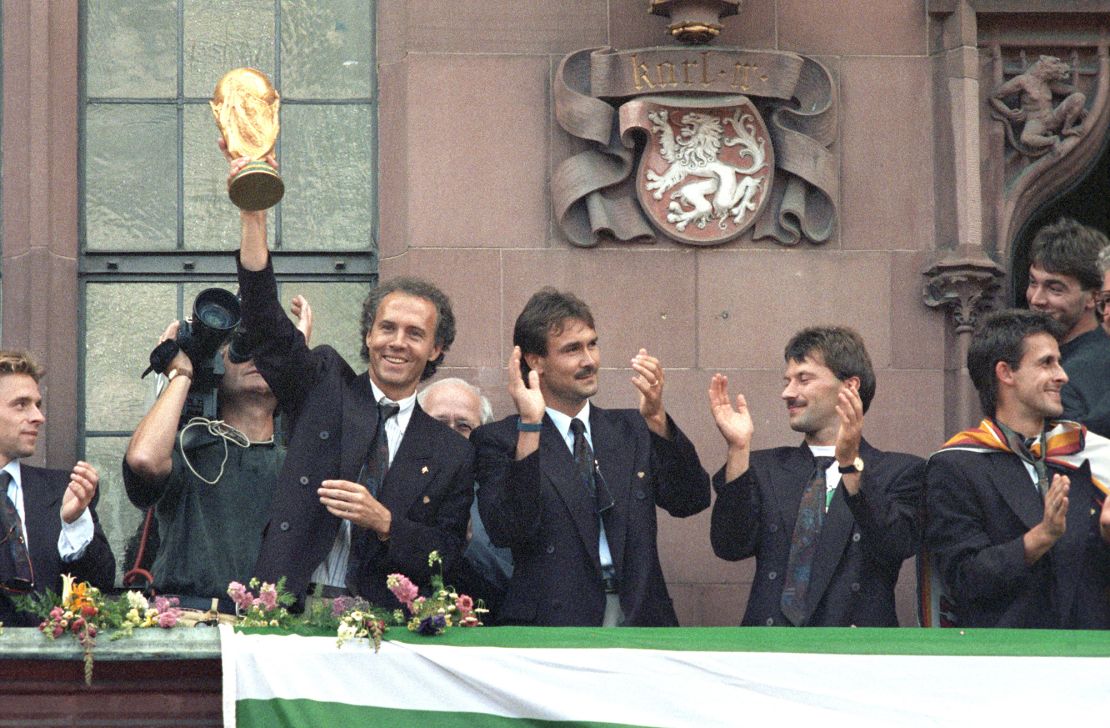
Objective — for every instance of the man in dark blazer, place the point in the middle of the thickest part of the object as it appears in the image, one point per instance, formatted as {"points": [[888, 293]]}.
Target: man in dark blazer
{"points": [[1018, 530], [829, 521], [51, 511], [326, 529], [572, 488]]}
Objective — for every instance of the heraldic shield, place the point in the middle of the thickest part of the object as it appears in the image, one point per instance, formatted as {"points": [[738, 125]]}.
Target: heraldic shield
{"points": [[706, 170]]}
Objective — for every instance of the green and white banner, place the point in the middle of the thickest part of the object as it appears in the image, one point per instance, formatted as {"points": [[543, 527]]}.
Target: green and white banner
{"points": [[678, 677]]}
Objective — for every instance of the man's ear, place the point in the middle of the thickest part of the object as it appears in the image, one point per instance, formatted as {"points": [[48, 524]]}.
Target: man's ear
{"points": [[852, 383], [534, 362], [1003, 372]]}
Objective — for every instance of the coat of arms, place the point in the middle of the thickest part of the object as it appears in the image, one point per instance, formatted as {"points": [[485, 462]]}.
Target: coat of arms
{"points": [[706, 169]]}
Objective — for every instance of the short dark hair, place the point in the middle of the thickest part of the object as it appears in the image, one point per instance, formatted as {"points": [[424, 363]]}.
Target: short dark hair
{"points": [[445, 318], [544, 314], [1069, 248], [841, 349], [1000, 336]]}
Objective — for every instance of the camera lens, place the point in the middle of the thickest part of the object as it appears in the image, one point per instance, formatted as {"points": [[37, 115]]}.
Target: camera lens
{"points": [[215, 316]]}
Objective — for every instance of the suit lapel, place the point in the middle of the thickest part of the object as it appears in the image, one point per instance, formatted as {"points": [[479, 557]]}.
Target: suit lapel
{"points": [[557, 464], [411, 469], [615, 456], [835, 532], [1068, 572], [1020, 494], [360, 423], [41, 514], [792, 471]]}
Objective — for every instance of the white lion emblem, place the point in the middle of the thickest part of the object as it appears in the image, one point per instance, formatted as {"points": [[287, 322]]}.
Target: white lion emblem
{"points": [[724, 189]]}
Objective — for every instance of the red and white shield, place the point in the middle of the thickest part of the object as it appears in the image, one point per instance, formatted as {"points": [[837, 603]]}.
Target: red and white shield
{"points": [[706, 171]]}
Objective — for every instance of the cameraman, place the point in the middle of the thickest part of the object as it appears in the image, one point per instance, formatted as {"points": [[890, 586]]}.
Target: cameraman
{"points": [[212, 481]]}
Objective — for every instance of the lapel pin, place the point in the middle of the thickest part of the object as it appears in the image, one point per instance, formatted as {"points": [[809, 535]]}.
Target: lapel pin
{"points": [[424, 470], [640, 474], [427, 500]]}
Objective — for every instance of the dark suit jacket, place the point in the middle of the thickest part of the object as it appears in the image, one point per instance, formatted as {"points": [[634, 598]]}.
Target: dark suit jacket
{"points": [[863, 541], [428, 489], [42, 500], [979, 507], [537, 507]]}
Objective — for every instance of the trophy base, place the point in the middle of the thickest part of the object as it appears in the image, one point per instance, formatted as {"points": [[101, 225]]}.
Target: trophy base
{"points": [[257, 187]]}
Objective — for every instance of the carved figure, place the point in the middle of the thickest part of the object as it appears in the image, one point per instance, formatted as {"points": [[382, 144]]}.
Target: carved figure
{"points": [[1036, 88], [724, 189]]}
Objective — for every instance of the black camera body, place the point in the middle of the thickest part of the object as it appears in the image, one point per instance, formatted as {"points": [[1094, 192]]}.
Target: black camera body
{"points": [[215, 319]]}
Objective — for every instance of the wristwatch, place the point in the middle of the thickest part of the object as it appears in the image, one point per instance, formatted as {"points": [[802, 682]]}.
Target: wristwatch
{"points": [[856, 466]]}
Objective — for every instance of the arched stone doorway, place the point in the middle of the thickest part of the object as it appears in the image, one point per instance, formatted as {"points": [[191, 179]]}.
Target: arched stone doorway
{"points": [[1086, 200]]}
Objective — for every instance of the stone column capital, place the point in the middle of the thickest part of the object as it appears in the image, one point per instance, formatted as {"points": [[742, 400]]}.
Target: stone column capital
{"points": [[965, 287]]}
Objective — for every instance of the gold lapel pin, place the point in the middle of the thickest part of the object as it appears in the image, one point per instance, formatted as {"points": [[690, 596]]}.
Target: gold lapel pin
{"points": [[427, 500], [424, 470], [640, 474]]}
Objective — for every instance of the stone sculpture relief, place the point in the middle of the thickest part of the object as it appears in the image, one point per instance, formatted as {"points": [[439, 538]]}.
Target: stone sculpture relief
{"points": [[721, 189], [1043, 121]]}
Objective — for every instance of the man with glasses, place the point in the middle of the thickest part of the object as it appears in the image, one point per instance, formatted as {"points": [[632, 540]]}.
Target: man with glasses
{"points": [[572, 488], [1065, 282]]}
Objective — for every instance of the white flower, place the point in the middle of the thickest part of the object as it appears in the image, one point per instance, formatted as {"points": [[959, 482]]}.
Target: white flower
{"points": [[137, 601]]}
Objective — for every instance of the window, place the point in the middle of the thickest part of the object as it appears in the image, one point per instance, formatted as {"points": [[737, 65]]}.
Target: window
{"points": [[156, 226]]}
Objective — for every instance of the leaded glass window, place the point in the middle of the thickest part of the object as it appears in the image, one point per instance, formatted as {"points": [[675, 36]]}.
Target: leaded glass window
{"points": [[156, 226]]}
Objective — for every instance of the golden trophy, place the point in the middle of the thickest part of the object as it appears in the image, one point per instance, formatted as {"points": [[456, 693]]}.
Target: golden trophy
{"points": [[246, 109]]}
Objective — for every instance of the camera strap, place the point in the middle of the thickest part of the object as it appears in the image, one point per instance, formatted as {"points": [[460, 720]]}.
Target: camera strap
{"points": [[161, 357]]}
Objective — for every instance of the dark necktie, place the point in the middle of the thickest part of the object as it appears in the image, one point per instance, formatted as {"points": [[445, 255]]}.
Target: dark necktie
{"points": [[372, 476], [377, 465], [803, 544], [17, 575], [584, 459]]}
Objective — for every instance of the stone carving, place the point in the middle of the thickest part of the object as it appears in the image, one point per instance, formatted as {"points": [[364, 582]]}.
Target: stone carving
{"points": [[966, 288], [695, 21], [696, 151], [1043, 122], [602, 98]]}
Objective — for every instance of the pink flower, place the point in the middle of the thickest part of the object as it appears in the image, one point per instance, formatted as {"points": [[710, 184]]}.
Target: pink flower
{"points": [[240, 595], [464, 604], [168, 618], [267, 596], [164, 604], [405, 591]]}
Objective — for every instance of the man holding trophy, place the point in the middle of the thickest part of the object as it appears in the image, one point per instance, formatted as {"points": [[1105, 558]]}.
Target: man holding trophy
{"points": [[371, 484]]}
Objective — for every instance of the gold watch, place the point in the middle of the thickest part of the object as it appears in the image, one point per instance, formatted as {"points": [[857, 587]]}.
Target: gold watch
{"points": [[856, 466]]}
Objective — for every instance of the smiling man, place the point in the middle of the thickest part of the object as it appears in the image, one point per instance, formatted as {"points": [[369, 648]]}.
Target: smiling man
{"points": [[48, 523], [572, 488], [1064, 282], [829, 521], [1017, 528], [371, 484]]}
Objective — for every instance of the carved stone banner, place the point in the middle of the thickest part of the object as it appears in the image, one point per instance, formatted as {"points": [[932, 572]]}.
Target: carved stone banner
{"points": [[706, 169], [600, 99]]}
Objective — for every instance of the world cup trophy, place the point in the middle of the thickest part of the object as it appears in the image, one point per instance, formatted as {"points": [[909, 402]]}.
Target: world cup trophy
{"points": [[246, 109]]}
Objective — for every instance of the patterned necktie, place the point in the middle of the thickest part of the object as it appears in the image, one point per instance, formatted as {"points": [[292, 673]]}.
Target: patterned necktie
{"points": [[377, 465], [21, 577], [803, 544], [583, 459]]}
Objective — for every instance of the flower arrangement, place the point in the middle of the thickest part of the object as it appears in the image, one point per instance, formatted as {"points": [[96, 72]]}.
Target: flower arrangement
{"points": [[84, 612], [444, 608], [268, 608], [354, 618]]}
